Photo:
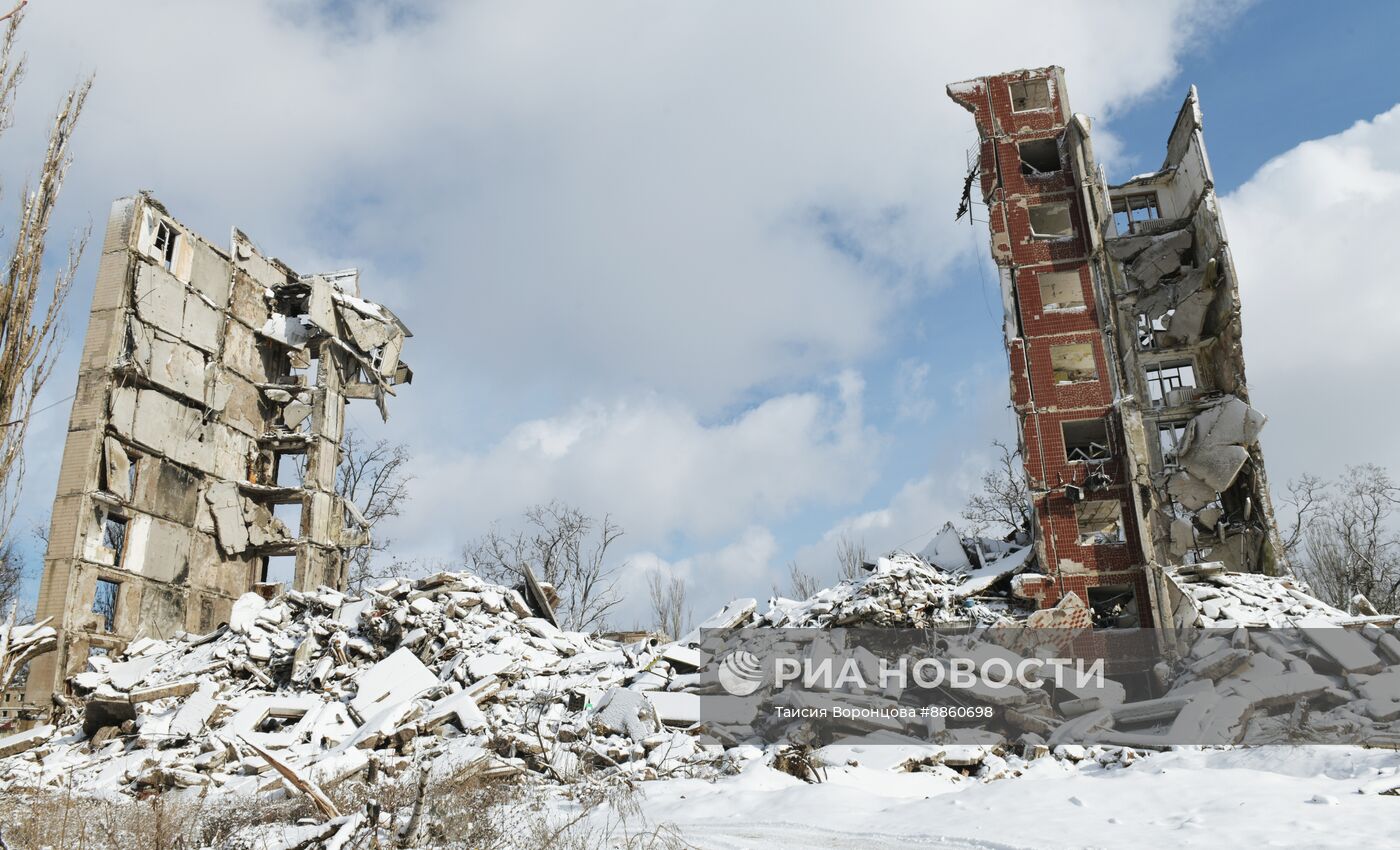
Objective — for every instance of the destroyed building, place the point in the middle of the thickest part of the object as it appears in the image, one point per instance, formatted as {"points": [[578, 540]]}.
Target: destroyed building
{"points": [[1122, 326], [201, 453]]}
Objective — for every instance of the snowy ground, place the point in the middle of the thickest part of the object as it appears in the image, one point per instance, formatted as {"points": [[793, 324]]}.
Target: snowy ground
{"points": [[1267, 797]]}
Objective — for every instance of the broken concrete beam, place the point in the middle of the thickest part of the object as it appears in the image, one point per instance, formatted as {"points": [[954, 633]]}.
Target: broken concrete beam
{"points": [[675, 708], [171, 689], [1148, 711], [24, 741], [1278, 690], [684, 659], [1220, 663], [1161, 257]]}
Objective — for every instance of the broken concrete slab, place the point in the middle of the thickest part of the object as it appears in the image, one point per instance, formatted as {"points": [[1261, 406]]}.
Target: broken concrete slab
{"points": [[399, 677]]}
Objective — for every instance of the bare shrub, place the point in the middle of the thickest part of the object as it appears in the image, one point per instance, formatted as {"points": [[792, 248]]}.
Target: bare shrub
{"points": [[1344, 539]]}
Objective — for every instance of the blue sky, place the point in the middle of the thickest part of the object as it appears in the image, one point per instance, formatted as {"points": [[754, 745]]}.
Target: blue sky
{"points": [[695, 264]]}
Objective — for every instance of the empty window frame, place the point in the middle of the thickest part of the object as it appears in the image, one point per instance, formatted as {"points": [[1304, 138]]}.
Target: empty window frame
{"points": [[114, 536], [1041, 156], [279, 569], [1030, 94], [1086, 440], [1051, 221], [1149, 331], [1130, 211], [1073, 363], [1100, 522], [1060, 290], [1164, 378], [1169, 437], [104, 602], [163, 246], [1114, 606]]}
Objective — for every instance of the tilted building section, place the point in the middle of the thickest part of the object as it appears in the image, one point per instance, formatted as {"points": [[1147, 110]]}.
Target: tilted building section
{"points": [[202, 449], [1122, 325]]}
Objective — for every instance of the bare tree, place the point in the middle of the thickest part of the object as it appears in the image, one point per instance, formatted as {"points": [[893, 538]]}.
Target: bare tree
{"points": [[669, 608], [374, 477], [31, 332], [850, 558], [1349, 540], [11, 576], [1003, 503], [801, 585], [564, 547]]}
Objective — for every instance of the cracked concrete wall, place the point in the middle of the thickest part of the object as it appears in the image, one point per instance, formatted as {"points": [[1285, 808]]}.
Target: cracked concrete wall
{"points": [[203, 371]]}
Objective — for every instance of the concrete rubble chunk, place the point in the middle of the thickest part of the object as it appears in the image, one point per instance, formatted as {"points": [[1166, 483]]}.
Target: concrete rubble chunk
{"points": [[24, 741], [1161, 257], [399, 677], [624, 712]]}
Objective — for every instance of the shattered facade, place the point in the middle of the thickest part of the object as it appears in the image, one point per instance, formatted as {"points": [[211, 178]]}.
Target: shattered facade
{"points": [[201, 453], [1122, 325]]}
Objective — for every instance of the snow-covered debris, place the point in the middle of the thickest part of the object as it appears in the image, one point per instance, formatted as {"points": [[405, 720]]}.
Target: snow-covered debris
{"points": [[904, 590], [1221, 599], [305, 690], [447, 668]]}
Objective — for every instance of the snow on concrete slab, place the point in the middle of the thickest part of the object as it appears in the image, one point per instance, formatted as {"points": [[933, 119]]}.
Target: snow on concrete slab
{"points": [[401, 676]]}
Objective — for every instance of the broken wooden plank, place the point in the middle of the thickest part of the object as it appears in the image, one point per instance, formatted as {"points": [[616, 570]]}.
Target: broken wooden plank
{"points": [[296, 780]]}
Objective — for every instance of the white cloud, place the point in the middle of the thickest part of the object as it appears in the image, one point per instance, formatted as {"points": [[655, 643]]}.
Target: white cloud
{"points": [[1313, 236], [912, 398], [656, 467], [698, 197]]}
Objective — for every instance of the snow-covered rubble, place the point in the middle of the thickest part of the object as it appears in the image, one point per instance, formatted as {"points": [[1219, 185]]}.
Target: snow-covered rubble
{"points": [[1224, 599], [306, 689], [908, 591], [448, 669]]}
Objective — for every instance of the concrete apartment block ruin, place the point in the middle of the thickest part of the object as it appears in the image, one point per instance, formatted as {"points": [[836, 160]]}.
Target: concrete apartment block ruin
{"points": [[1122, 325], [202, 449]]}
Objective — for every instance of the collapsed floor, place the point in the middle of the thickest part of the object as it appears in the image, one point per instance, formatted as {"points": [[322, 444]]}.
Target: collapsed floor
{"points": [[298, 693]]}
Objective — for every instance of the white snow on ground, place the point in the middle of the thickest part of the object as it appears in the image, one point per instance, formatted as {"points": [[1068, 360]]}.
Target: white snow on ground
{"points": [[1265, 797]]}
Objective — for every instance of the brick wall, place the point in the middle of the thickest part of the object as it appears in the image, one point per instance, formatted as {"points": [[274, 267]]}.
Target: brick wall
{"points": [[1042, 403]]}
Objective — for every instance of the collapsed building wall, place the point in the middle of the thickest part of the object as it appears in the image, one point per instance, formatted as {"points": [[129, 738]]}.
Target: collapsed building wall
{"points": [[1175, 295], [202, 447], [1122, 328]]}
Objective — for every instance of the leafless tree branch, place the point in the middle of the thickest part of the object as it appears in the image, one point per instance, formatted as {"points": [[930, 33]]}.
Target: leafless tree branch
{"points": [[565, 548], [669, 608], [850, 558], [1003, 503], [31, 331], [374, 476], [1344, 538]]}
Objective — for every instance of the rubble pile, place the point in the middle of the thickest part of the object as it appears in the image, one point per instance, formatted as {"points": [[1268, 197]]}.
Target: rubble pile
{"points": [[448, 669], [304, 690], [908, 591], [1224, 599], [1300, 681]]}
